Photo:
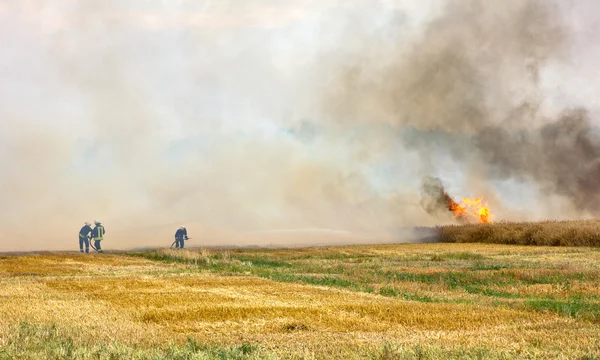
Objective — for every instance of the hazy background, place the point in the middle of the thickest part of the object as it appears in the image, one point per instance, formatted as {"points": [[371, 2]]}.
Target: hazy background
{"points": [[242, 118]]}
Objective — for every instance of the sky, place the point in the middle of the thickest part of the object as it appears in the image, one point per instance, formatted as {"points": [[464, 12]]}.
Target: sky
{"points": [[220, 115]]}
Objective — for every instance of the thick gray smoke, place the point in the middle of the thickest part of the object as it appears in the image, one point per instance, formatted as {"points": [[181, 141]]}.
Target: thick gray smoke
{"points": [[470, 89], [241, 119], [434, 198], [563, 157]]}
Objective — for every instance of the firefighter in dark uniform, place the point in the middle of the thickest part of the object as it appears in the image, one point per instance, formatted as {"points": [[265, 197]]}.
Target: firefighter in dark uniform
{"points": [[98, 235], [180, 236], [83, 237]]}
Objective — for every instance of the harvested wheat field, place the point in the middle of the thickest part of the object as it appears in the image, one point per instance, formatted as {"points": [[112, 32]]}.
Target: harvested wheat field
{"points": [[421, 301]]}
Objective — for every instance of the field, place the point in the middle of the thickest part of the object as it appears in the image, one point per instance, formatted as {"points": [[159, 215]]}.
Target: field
{"points": [[544, 233], [404, 301]]}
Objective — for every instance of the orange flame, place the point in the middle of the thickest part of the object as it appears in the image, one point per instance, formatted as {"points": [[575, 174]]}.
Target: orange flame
{"points": [[471, 210]]}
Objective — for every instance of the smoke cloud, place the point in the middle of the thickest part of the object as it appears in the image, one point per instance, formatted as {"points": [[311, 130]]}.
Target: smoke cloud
{"points": [[470, 91], [434, 198], [304, 123]]}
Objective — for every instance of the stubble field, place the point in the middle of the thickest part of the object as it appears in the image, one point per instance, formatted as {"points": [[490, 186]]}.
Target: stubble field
{"points": [[406, 301]]}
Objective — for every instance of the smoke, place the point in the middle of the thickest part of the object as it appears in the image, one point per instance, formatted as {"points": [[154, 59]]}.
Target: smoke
{"points": [[563, 157], [238, 120], [460, 74], [434, 198], [147, 118], [470, 91]]}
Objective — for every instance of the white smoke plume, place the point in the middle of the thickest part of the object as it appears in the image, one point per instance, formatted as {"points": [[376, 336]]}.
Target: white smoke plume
{"points": [[240, 118]]}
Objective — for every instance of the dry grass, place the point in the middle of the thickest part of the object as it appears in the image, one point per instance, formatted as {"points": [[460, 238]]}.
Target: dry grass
{"points": [[387, 301], [546, 233], [63, 264]]}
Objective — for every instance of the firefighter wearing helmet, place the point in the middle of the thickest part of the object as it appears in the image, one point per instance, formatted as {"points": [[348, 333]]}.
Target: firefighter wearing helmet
{"points": [[84, 237], [98, 235]]}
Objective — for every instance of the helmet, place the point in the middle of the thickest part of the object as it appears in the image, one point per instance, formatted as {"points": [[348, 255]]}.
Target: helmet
{"points": [[87, 223], [181, 227], [96, 222]]}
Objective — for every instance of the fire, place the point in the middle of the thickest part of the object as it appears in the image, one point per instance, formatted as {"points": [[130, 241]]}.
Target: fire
{"points": [[470, 210], [435, 198]]}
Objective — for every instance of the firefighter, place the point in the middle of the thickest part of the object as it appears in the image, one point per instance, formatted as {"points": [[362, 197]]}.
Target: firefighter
{"points": [[83, 237], [180, 237], [98, 235]]}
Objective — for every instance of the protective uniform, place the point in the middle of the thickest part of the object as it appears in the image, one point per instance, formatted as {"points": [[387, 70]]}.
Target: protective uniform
{"points": [[98, 235], [180, 237], [83, 237]]}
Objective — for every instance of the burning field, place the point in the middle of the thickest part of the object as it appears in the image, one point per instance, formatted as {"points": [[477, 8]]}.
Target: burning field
{"points": [[444, 300], [252, 121], [474, 223]]}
